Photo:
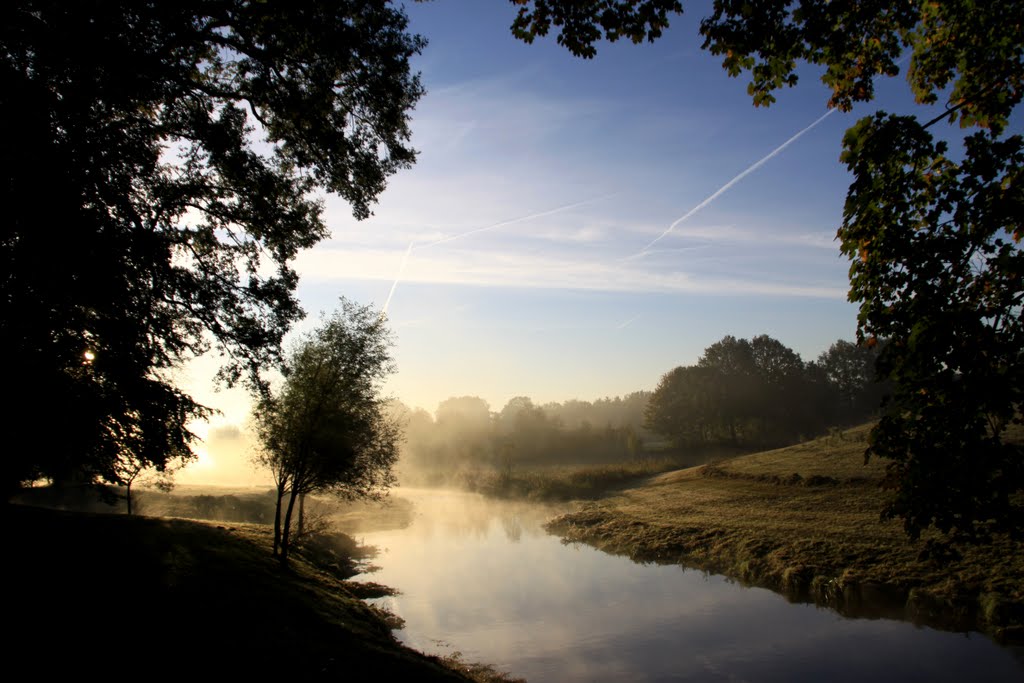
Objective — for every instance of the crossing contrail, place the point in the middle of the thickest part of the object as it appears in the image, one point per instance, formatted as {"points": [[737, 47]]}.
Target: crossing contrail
{"points": [[540, 214], [443, 240], [725, 188], [394, 285]]}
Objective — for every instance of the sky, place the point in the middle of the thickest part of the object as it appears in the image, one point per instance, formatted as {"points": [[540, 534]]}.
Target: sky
{"points": [[577, 228]]}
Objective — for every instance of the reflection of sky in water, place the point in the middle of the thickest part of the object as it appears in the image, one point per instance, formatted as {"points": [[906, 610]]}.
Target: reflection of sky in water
{"points": [[483, 578]]}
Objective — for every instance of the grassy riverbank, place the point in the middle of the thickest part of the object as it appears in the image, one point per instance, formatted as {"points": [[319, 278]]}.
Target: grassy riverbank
{"points": [[561, 483], [116, 595], [222, 504], [804, 520]]}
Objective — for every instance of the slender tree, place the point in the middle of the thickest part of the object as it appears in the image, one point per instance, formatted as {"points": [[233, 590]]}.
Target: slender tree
{"points": [[327, 428]]}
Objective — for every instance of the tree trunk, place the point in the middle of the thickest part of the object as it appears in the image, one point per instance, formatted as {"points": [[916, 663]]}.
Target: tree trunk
{"points": [[285, 544], [277, 517], [128, 497], [302, 517]]}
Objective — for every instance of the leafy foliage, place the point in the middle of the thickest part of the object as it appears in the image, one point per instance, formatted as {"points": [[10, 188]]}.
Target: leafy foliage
{"points": [[157, 183], [685, 405], [939, 269], [326, 429], [581, 24], [851, 369], [970, 56], [973, 57], [759, 393]]}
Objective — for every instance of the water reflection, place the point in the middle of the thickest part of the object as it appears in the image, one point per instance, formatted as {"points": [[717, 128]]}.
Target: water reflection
{"points": [[484, 578]]}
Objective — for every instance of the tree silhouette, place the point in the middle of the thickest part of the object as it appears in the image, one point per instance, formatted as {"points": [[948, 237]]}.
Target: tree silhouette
{"points": [[687, 405], [759, 393], [850, 368], [157, 181], [327, 428]]}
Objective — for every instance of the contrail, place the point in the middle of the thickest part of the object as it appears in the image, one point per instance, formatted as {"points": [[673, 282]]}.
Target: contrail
{"points": [[724, 188], [405, 258], [624, 325], [557, 209], [394, 285]]}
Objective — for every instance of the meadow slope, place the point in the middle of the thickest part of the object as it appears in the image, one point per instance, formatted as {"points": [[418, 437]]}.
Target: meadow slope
{"points": [[804, 520]]}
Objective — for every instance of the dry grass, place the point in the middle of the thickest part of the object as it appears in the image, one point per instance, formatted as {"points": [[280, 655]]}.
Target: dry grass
{"points": [[257, 506], [805, 520], [563, 482], [478, 673]]}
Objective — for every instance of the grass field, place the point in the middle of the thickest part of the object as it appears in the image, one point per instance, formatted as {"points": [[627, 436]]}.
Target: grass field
{"points": [[804, 520], [561, 483]]}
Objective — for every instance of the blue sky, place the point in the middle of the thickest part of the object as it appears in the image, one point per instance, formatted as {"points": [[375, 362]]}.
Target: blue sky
{"points": [[541, 178]]}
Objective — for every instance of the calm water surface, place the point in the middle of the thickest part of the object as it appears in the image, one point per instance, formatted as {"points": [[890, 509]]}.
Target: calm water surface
{"points": [[483, 578]]}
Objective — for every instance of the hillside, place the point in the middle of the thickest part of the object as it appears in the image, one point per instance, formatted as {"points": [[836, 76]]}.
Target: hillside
{"points": [[804, 520], [116, 595]]}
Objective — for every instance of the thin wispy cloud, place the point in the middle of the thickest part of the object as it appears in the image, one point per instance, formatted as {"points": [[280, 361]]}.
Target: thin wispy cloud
{"points": [[584, 235], [729, 234], [541, 270], [497, 108], [725, 188], [678, 250]]}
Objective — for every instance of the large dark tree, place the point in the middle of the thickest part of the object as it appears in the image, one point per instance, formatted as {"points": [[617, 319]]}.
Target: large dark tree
{"points": [[939, 270], [745, 393], [934, 236], [688, 406], [739, 387], [157, 177]]}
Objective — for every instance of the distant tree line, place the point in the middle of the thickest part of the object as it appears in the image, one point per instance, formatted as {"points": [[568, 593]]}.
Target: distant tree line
{"points": [[465, 433], [742, 394], [759, 393]]}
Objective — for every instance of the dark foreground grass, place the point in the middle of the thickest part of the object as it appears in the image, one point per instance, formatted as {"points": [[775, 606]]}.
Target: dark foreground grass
{"points": [[107, 595], [805, 521]]}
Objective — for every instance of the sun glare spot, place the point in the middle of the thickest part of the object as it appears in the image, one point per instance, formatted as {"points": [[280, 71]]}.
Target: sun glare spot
{"points": [[89, 356], [203, 460]]}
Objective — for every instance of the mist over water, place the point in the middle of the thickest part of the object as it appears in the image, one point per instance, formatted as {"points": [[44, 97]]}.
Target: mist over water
{"points": [[482, 577]]}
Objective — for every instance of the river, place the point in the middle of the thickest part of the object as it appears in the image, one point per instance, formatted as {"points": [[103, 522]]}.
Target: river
{"points": [[483, 578]]}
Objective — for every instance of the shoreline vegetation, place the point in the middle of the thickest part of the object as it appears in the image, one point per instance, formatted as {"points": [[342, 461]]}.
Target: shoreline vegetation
{"points": [[804, 521], [110, 592], [561, 483]]}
